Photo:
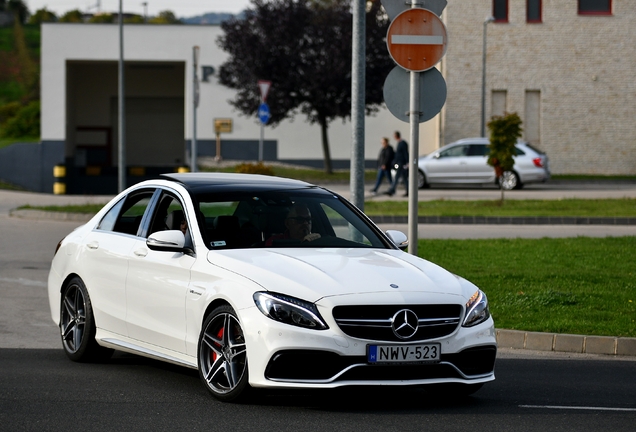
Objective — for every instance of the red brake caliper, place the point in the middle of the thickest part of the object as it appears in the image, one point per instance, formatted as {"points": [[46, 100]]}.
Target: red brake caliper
{"points": [[219, 335]]}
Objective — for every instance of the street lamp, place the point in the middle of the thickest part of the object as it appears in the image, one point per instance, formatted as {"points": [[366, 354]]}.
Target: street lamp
{"points": [[483, 79]]}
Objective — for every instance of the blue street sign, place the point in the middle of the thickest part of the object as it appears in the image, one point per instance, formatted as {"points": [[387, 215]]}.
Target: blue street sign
{"points": [[263, 113]]}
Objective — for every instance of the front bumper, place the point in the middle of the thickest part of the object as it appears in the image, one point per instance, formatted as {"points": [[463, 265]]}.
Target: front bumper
{"points": [[285, 356]]}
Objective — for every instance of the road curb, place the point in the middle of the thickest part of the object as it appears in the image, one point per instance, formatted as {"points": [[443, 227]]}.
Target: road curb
{"points": [[536, 341], [507, 220]]}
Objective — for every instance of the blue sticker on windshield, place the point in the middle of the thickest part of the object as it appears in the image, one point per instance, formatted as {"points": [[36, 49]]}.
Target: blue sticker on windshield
{"points": [[218, 243]]}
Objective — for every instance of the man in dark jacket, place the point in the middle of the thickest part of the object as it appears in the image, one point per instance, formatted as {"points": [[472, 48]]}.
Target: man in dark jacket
{"points": [[385, 162], [401, 164]]}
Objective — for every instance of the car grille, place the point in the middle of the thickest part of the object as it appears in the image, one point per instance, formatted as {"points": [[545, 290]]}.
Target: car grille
{"points": [[375, 322]]}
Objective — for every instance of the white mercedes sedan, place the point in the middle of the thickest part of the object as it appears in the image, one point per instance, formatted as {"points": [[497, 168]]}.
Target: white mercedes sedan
{"points": [[265, 282]]}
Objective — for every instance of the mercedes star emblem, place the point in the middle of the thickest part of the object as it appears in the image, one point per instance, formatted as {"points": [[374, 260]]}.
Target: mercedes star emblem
{"points": [[404, 324]]}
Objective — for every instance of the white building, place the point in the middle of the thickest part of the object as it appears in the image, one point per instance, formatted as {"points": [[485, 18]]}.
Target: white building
{"points": [[79, 104]]}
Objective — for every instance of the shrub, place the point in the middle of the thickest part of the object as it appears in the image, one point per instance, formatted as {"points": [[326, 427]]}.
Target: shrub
{"points": [[25, 122], [254, 168]]}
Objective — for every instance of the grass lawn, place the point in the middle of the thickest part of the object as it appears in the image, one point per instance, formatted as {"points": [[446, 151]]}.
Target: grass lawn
{"points": [[575, 285], [625, 207]]}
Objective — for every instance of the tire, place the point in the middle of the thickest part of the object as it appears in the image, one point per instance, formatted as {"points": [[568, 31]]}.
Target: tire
{"points": [[421, 180], [510, 180], [223, 356], [77, 325]]}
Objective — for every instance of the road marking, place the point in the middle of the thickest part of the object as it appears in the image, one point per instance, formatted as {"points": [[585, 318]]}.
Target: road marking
{"points": [[417, 40], [23, 281], [577, 408]]}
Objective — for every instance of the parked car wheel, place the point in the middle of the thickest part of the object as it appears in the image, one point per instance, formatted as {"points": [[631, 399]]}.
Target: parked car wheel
{"points": [[77, 325], [510, 180], [421, 180], [222, 355]]}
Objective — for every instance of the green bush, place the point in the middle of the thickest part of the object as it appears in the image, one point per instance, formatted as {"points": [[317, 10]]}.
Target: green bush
{"points": [[8, 111], [254, 168], [25, 122]]}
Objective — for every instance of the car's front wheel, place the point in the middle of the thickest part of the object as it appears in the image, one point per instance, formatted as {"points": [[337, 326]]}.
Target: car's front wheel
{"points": [[510, 180], [77, 325], [223, 355]]}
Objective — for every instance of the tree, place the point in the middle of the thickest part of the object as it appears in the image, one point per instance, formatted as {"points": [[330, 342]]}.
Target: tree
{"points": [[42, 15], [20, 9], [504, 132], [304, 48], [106, 18], [165, 17], [72, 16]]}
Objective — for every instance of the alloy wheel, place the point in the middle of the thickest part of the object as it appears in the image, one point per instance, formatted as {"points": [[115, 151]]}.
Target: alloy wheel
{"points": [[223, 355], [73, 322]]}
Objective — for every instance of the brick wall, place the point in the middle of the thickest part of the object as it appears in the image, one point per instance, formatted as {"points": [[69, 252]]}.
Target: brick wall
{"points": [[583, 66]]}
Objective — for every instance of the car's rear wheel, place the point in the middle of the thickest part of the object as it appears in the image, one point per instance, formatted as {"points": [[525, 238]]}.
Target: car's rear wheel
{"points": [[223, 355], [510, 180], [77, 325], [421, 180]]}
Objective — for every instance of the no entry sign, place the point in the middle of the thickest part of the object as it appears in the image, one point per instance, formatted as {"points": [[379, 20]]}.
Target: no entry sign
{"points": [[417, 39]]}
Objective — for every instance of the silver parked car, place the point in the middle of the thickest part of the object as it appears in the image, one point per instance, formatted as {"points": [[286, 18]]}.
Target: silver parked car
{"points": [[465, 161]]}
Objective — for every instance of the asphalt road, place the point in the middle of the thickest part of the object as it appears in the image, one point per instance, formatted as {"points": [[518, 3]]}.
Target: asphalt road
{"points": [[43, 390]]}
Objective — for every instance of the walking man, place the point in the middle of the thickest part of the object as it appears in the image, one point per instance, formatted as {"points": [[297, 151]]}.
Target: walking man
{"points": [[385, 162], [401, 164]]}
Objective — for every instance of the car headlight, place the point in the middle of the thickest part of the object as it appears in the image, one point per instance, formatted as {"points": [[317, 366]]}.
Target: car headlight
{"points": [[289, 310], [476, 309]]}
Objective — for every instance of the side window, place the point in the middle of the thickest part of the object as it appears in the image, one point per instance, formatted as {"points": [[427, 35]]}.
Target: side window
{"points": [[457, 151], [127, 214], [533, 11], [169, 215], [478, 150]]}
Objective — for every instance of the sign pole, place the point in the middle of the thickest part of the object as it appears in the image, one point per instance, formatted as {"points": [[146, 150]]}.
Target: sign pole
{"points": [[195, 104], [414, 122], [260, 143]]}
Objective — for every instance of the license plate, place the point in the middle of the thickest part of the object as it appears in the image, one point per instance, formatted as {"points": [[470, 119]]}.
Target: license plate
{"points": [[421, 353]]}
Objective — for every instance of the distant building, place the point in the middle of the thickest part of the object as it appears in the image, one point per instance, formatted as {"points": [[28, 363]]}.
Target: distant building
{"points": [[567, 67], [79, 106]]}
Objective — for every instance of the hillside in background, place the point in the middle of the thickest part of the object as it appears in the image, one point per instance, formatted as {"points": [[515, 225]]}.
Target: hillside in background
{"points": [[208, 18]]}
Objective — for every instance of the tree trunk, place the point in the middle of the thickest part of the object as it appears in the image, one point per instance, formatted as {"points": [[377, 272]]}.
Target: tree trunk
{"points": [[325, 145]]}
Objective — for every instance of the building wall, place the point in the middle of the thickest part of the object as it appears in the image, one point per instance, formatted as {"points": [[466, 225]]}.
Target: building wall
{"points": [[578, 71], [296, 140]]}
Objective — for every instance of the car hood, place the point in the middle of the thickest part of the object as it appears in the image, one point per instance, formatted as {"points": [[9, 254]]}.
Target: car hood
{"points": [[312, 274]]}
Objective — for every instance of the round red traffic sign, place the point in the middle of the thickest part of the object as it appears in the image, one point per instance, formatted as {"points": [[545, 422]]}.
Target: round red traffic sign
{"points": [[417, 39]]}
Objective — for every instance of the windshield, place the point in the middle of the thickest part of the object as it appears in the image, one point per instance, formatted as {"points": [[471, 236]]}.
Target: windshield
{"points": [[234, 220]]}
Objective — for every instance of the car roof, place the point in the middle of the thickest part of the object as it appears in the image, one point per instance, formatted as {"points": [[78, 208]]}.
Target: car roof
{"points": [[478, 140], [199, 182]]}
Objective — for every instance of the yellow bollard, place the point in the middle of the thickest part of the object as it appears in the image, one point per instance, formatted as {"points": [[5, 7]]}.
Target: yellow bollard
{"points": [[59, 185]]}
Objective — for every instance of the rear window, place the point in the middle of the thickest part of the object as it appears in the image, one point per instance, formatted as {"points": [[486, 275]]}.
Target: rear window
{"points": [[534, 148]]}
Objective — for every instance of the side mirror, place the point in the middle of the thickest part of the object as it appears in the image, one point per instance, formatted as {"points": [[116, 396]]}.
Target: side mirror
{"points": [[167, 241], [398, 238], [436, 155]]}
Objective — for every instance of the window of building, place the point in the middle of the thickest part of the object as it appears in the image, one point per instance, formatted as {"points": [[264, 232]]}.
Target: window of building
{"points": [[533, 11], [595, 7], [500, 10]]}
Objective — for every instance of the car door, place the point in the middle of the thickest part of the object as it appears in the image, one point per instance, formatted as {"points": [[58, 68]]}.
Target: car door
{"points": [[157, 281], [104, 259], [448, 166], [477, 168]]}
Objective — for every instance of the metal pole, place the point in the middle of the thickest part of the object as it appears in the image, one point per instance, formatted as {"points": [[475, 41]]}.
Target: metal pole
{"points": [[195, 103], [414, 149], [260, 143], [121, 153], [483, 79], [358, 54]]}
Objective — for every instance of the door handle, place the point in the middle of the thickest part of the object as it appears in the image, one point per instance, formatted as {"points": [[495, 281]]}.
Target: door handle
{"points": [[141, 252], [92, 245]]}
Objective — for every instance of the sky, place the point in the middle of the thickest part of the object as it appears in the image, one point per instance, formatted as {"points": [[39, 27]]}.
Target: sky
{"points": [[181, 8]]}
